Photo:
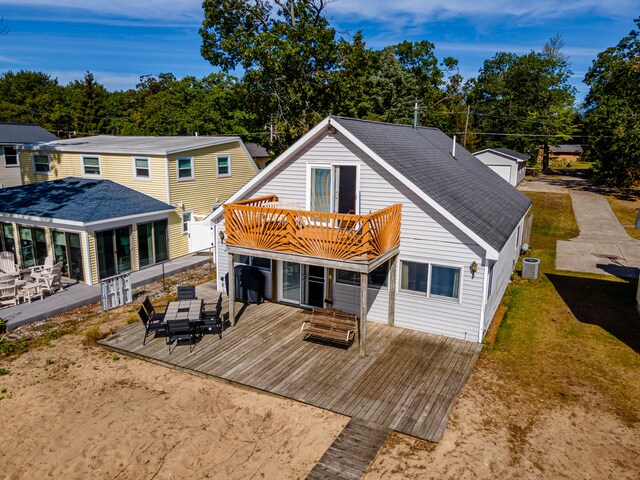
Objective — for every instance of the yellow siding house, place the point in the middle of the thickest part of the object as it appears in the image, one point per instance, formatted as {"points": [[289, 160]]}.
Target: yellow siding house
{"points": [[193, 175]]}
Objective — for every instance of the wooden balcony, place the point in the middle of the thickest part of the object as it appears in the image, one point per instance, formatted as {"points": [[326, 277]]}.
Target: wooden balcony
{"points": [[264, 223]]}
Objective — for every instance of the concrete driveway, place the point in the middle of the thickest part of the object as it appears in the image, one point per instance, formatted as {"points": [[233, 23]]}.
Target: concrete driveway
{"points": [[603, 245]]}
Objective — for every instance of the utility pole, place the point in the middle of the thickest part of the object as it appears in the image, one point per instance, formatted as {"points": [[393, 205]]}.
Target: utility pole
{"points": [[466, 127], [293, 14]]}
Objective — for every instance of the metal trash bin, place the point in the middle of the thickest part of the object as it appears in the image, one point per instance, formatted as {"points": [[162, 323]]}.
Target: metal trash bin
{"points": [[530, 267]]}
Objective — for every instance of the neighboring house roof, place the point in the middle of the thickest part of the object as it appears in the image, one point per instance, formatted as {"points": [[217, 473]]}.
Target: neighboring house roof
{"points": [[520, 157], [78, 200], [132, 145], [20, 133], [463, 189], [256, 151], [570, 149]]}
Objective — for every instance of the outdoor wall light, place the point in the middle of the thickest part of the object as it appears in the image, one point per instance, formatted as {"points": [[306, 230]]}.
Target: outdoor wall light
{"points": [[473, 268], [221, 235]]}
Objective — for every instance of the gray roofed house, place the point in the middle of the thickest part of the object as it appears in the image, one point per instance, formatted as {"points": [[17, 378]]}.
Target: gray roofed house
{"points": [[132, 145], [259, 154], [566, 149], [446, 230], [465, 187], [507, 163], [12, 136]]}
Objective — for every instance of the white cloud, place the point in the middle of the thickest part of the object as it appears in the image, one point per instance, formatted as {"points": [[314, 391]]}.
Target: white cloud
{"points": [[416, 11], [187, 12]]}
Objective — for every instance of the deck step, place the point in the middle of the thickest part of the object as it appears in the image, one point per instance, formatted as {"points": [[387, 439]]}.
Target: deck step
{"points": [[352, 452]]}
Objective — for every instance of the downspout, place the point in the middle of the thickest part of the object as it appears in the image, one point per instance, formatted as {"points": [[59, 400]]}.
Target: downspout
{"points": [[485, 286], [215, 256], [166, 170]]}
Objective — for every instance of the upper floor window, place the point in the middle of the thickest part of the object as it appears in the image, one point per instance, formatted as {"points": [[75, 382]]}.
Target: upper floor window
{"points": [[333, 188], [224, 165], [141, 167], [91, 165], [10, 156], [41, 164], [185, 168]]}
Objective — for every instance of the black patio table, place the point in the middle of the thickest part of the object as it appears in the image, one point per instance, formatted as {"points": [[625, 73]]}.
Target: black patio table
{"points": [[184, 310]]}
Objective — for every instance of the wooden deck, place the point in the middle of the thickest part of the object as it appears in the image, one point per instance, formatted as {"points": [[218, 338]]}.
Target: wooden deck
{"points": [[352, 453], [408, 381]]}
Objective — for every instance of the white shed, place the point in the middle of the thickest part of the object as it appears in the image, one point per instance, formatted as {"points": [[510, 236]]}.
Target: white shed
{"points": [[507, 163]]}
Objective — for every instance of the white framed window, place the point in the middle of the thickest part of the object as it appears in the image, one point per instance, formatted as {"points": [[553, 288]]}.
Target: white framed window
{"points": [[186, 218], [333, 188], [490, 274], [141, 168], [258, 262], [10, 156], [224, 165], [445, 282], [435, 281], [41, 163], [91, 165], [185, 168]]}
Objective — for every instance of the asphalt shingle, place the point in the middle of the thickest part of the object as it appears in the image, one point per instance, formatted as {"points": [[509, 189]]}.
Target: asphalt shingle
{"points": [[464, 186], [21, 133], [77, 199]]}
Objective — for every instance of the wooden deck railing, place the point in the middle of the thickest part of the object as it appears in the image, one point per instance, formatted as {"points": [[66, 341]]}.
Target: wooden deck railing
{"points": [[257, 223]]}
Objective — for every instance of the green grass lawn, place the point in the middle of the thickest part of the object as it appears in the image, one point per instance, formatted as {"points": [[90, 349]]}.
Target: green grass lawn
{"points": [[567, 336], [626, 208], [574, 165]]}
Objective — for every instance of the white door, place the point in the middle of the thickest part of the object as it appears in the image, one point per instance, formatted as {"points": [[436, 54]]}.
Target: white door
{"points": [[201, 236], [503, 170]]}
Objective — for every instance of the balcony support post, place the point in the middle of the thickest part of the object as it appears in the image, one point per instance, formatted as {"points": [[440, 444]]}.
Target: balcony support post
{"points": [[362, 335], [232, 291], [391, 288]]}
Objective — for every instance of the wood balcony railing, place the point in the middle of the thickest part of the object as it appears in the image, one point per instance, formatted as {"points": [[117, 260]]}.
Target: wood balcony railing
{"points": [[264, 224]]}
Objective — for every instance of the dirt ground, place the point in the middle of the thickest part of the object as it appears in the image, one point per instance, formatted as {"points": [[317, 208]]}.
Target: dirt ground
{"points": [[492, 437], [72, 410], [76, 412]]}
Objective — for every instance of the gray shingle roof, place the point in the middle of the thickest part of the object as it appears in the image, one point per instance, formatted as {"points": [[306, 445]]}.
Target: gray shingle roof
{"points": [[464, 186], [511, 153], [572, 149], [77, 199], [256, 151], [20, 133], [143, 145]]}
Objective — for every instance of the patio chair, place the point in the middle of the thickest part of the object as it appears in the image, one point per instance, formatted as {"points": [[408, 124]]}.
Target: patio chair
{"points": [[180, 330], [151, 311], [213, 320], [8, 265], [46, 267], [186, 292], [150, 325], [8, 290], [51, 281]]}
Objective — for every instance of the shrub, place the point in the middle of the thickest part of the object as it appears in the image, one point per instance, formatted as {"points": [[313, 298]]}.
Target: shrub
{"points": [[94, 334]]}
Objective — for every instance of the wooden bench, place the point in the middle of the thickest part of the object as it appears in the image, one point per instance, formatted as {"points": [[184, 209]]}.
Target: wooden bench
{"points": [[331, 324]]}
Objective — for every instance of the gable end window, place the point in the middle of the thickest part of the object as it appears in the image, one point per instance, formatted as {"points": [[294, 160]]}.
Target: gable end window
{"points": [[141, 167], [224, 166], [10, 156], [91, 165], [41, 164], [185, 168]]}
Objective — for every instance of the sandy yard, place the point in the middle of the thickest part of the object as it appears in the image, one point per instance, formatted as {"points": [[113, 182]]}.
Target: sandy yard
{"points": [[72, 411], [490, 438]]}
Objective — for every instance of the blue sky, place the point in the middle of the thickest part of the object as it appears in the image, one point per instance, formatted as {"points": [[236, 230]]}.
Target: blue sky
{"points": [[120, 40]]}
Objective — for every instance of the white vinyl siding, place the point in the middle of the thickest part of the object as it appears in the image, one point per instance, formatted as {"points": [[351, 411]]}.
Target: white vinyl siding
{"points": [[426, 236]]}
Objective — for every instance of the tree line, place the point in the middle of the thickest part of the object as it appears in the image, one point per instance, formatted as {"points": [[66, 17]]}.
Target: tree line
{"points": [[297, 69]]}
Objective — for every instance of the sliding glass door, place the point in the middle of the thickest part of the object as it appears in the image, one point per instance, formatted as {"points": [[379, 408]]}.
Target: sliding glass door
{"points": [[67, 249], [152, 242], [291, 283], [114, 251], [7, 239], [33, 246]]}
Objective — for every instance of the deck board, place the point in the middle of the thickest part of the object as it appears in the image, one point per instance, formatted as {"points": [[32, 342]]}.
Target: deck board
{"points": [[408, 381]]}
